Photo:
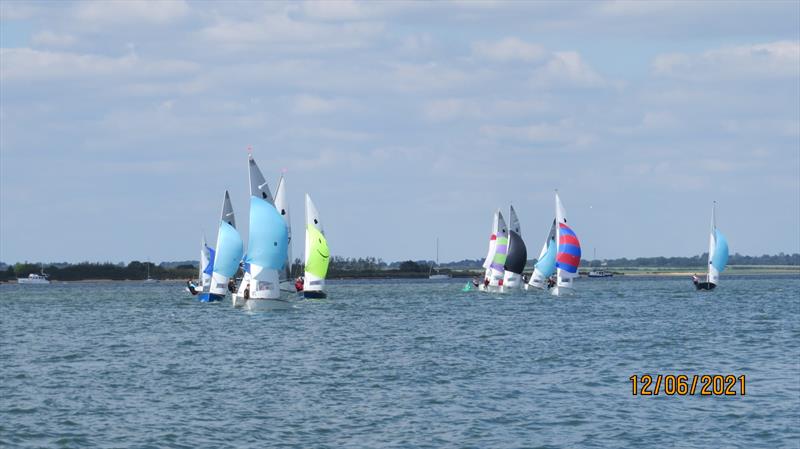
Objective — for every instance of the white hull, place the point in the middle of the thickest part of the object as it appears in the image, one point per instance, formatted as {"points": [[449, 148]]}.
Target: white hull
{"points": [[33, 281], [263, 305], [237, 300], [439, 276]]}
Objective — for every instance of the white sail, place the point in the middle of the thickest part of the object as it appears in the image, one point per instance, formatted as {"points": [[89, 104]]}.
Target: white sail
{"points": [[282, 205], [497, 265], [205, 260], [492, 246]]}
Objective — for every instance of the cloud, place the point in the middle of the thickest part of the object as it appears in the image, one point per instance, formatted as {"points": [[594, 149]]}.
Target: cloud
{"points": [[509, 49], [131, 11], [280, 28], [562, 132], [757, 61], [25, 64], [450, 109], [568, 69], [51, 39], [312, 105]]}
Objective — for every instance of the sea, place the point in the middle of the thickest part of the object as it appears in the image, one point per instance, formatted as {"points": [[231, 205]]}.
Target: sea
{"points": [[400, 364]]}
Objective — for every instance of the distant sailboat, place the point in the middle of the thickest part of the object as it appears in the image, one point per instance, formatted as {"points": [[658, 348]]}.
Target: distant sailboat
{"points": [[205, 268], [437, 275], [149, 279], [717, 254], [267, 247], [546, 262], [496, 258], [517, 255], [317, 254], [568, 256], [228, 254]]}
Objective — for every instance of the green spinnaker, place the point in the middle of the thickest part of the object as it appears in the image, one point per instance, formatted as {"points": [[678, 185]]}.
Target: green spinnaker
{"points": [[318, 256]]}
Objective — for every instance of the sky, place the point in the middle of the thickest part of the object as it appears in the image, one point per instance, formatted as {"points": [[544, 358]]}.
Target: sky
{"points": [[122, 123]]}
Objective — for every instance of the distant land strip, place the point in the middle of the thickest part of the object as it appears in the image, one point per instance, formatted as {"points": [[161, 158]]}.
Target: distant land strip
{"points": [[371, 267]]}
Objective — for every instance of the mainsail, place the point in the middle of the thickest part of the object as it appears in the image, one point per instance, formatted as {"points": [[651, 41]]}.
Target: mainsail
{"points": [[497, 266], [229, 250], [282, 206], [206, 264], [317, 254], [717, 250], [267, 245]]}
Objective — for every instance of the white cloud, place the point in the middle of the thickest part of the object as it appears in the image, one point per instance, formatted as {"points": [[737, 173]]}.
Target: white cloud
{"points": [[131, 11], [312, 105], [568, 69], [25, 64], [508, 50], [280, 28], [761, 61], [450, 109], [51, 39], [564, 131]]}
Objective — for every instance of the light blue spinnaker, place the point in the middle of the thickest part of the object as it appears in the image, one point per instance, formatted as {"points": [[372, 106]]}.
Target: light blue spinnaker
{"points": [[229, 250], [268, 243], [720, 258], [547, 264]]}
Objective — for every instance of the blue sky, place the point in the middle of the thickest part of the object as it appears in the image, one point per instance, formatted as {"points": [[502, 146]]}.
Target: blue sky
{"points": [[122, 123]]}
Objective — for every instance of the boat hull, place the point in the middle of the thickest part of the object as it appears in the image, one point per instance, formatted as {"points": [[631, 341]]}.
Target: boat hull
{"points": [[209, 297], [33, 281], [265, 305], [561, 290], [318, 294], [705, 285], [238, 300]]}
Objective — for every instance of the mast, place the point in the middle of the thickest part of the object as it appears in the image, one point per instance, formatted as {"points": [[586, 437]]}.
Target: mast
{"points": [[711, 242]]}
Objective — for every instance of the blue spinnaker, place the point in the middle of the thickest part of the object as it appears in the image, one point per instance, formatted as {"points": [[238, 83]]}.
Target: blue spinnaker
{"points": [[269, 240], [229, 250], [208, 269], [547, 264], [720, 258]]}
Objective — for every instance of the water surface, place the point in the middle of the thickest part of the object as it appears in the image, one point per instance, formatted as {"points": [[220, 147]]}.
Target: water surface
{"points": [[406, 364]]}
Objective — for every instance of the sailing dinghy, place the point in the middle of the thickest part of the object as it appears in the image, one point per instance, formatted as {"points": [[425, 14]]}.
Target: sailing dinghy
{"points": [[317, 254], [546, 262], [517, 255], [227, 256], [568, 255], [717, 255], [282, 206], [496, 258], [267, 247], [206, 267]]}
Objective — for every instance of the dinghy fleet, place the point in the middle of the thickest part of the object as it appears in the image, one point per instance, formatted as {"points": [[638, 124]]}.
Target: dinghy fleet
{"points": [[259, 277]]}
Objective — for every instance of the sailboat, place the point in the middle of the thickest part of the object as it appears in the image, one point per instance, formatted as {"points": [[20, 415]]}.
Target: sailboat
{"points": [[517, 255], [317, 254], [437, 275], [545, 263], [568, 255], [282, 206], [205, 267], [149, 279], [496, 257], [267, 247], [227, 257], [717, 254]]}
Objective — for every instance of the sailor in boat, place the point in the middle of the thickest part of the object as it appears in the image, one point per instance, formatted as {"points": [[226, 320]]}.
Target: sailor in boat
{"points": [[486, 282], [232, 286], [191, 286], [695, 280], [551, 282], [298, 284], [475, 281]]}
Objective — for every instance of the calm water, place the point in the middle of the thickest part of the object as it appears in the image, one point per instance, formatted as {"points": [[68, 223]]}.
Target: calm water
{"points": [[398, 364]]}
